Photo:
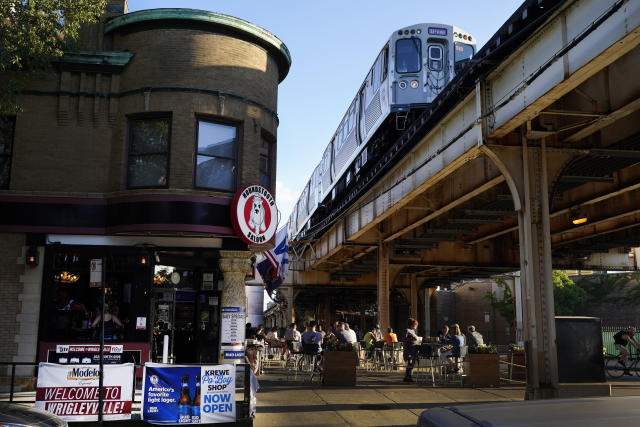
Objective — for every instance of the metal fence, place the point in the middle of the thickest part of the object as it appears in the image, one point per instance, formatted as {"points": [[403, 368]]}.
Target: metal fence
{"points": [[243, 386]]}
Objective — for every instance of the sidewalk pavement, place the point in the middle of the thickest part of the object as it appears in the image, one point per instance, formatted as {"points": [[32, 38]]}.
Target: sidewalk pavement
{"points": [[378, 399]]}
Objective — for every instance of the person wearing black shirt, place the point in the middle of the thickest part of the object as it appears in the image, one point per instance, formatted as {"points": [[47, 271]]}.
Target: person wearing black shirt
{"points": [[443, 334], [622, 339]]}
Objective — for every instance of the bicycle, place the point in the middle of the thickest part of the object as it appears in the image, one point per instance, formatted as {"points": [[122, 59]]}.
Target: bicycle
{"points": [[615, 368]]}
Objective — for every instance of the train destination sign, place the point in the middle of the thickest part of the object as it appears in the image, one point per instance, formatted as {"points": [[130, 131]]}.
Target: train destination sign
{"points": [[254, 215]]}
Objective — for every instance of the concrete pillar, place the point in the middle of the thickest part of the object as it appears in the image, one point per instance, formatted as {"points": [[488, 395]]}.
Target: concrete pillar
{"points": [[383, 285], [234, 266]]}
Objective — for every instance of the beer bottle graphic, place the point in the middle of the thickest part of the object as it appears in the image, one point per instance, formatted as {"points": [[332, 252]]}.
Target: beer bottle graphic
{"points": [[195, 403], [184, 403]]}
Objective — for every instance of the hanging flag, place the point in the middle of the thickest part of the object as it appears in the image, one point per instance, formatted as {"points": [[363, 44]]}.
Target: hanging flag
{"points": [[273, 265]]}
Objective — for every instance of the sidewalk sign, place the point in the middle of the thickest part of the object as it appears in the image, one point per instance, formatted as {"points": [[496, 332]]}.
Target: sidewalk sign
{"points": [[71, 391], [186, 394]]}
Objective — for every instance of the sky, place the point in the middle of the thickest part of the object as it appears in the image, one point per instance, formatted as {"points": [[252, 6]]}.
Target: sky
{"points": [[333, 45]]}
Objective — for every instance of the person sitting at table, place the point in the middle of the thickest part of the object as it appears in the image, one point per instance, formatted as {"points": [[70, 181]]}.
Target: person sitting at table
{"points": [[474, 338], [312, 337], [110, 323], [274, 341], [368, 340], [378, 333], [350, 334], [292, 337], [443, 334], [390, 337], [411, 347], [259, 333], [452, 348]]}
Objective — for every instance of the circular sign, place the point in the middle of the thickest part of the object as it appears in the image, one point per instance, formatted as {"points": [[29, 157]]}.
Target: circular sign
{"points": [[254, 215], [175, 277]]}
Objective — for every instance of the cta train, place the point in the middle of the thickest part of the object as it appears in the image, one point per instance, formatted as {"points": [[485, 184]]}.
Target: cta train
{"points": [[414, 65]]}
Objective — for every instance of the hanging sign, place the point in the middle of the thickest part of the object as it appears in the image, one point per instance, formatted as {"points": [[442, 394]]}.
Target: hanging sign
{"points": [[71, 392], [95, 273], [254, 215], [182, 394]]}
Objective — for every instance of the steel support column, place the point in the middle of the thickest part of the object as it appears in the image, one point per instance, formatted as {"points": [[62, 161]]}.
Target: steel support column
{"points": [[383, 284], [536, 267], [413, 300]]}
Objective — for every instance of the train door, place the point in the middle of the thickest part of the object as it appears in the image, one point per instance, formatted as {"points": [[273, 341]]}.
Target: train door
{"points": [[437, 73]]}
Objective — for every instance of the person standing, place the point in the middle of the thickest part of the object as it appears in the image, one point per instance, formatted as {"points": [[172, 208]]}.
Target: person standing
{"points": [[410, 347]]}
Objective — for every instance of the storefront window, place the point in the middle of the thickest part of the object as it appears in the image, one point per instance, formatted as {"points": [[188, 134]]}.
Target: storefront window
{"points": [[73, 304], [149, 294]]}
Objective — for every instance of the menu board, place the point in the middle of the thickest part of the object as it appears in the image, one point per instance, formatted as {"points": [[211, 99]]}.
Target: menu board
{"points": [[232, 333]]}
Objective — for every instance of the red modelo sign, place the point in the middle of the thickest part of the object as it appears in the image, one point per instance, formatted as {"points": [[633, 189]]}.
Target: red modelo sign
{"points": [[254, 215]]}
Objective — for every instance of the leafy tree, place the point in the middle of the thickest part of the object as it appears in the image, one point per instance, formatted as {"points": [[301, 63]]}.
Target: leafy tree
{"points": [[505, 306], [32, 33], [568, 297]]}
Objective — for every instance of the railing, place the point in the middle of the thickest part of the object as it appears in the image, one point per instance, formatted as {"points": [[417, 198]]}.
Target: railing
{"points": [[243, 384]]}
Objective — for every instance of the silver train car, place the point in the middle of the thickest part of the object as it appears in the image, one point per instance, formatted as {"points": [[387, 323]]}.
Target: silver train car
{"points": [[414, 65]]}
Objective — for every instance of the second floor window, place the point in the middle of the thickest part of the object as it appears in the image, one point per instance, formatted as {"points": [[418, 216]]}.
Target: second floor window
{"points": [[265, 163], [7, 125], [148, 152], [216, 156]]}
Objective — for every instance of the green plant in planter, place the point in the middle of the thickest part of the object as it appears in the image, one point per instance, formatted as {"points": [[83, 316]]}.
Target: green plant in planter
{"points": [[484, 349], [335, 345], [514, 347]]}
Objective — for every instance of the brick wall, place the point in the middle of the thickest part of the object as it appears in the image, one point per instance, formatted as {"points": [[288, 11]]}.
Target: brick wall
{"points": [[77, 144], [11, 268], [471, 307]]}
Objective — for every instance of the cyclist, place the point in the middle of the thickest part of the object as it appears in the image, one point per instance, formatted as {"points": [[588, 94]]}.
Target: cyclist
{"points": [[622, 338]]}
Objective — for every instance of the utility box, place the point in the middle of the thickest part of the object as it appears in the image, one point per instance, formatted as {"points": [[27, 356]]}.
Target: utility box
{"points": [[579, 343]]}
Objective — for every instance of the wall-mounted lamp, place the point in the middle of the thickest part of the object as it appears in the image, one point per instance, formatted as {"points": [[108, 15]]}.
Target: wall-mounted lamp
{"points": [[31, 257], [144, 260]]}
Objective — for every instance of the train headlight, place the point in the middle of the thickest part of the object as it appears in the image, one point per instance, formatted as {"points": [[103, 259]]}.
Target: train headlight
{"points": [[402, 84], [414, 84]]}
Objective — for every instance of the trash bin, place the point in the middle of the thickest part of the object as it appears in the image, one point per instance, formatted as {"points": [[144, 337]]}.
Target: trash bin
{"points": [[579, 343]]}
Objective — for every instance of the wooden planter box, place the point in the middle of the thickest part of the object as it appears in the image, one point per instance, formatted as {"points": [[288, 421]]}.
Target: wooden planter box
{"points": [[484, 370], [340, 367], [516, 372]]}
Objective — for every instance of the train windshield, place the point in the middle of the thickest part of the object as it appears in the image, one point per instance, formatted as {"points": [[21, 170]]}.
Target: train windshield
{"points": [[464, 53], [408, 54]]}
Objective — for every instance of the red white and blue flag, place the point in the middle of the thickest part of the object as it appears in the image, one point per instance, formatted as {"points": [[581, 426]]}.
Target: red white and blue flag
{"points": [[273, 265]]}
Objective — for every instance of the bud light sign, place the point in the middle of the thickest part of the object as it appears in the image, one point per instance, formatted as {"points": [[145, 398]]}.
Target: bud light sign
{"points": [[180, 394]]}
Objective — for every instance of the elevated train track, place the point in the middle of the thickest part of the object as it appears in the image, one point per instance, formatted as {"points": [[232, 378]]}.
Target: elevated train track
{"points": [[541, 129]]}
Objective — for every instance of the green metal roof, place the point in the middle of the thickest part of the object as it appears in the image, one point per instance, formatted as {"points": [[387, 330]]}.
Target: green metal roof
{"points": [[260, 35]]}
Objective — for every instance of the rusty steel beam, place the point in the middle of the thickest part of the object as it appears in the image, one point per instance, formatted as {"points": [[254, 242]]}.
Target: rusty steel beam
{"points": [[463, 199]]}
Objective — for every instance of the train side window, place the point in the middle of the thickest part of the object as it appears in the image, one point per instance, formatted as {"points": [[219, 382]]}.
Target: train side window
{"points": [[435, 58], [376, 74], [385, 63], [408, 54]]}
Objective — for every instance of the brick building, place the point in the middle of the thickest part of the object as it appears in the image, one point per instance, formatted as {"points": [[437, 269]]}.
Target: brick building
{"points": [[131, 151]]}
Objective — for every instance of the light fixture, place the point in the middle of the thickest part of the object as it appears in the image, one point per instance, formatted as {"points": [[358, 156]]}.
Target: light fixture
{"points": [[144, 260], [578, 216], [31, 257], [66, 277]]}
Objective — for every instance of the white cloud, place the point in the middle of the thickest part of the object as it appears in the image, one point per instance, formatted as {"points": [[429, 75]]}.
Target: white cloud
{"points": [[286, 199]]}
